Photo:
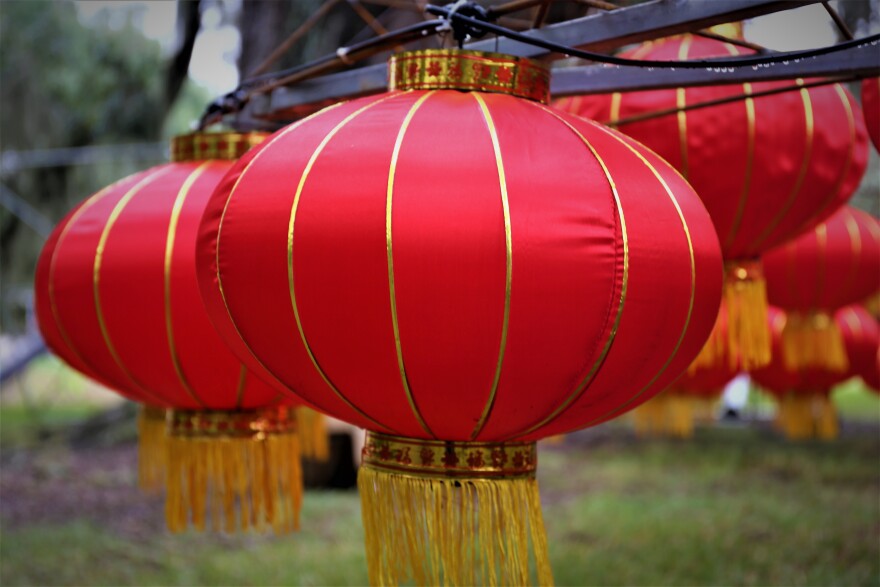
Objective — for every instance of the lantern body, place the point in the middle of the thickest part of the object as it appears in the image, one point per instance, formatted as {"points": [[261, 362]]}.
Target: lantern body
{"points": [[861, 335], [461, 273], [871, 107], [118, 299], [767, 168]]}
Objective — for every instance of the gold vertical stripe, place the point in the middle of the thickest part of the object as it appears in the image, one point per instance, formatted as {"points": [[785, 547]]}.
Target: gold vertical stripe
{"points": [[389, 196], [645, 47], [802, 173], [508, 246], [579, 390], [855, 246], [855, 325], [169, 256], [290, 271], [96, 272], [680, 103], [615, 108], [747, 175], [687, 233], [821, 245], [219, 277], [239, 390], [835, 191], [56, 314]]}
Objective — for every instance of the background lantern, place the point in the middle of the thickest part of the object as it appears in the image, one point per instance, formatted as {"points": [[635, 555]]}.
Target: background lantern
{"points": [[767, 168], [834, 265], [461, 273], [117, 298], [805, 407], [871, 107]]}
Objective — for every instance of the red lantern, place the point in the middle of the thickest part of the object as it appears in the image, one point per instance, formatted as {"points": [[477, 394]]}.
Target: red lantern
{"points": [[861, 336], [460, 272], [767, 168], [871, 107], [834, 265], [118, 299], [804, 393]]}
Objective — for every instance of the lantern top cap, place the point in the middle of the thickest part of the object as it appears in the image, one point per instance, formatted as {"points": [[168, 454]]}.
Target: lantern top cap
{"points": [[225, 146], [476, 71]]}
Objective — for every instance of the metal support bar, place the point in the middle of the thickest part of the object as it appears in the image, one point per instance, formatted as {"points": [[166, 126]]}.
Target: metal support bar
{"points": [[649, 20]]}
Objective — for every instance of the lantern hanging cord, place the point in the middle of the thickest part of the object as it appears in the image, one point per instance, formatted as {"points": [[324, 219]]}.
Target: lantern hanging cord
{"points": [[459, 17]]}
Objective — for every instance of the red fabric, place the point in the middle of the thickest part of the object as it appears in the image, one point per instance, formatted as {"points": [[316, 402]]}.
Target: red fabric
{"points": [[449, 266], [776, 207], [131, 292], [860, 337], [871, 107], [834, 265], [706, 382]]}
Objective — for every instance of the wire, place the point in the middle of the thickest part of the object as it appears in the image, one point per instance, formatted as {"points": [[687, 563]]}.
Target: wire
{"points": [[457, 17]]}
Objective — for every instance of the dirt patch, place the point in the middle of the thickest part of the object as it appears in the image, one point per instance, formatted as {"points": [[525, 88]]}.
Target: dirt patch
{"points": [[58, 485]]}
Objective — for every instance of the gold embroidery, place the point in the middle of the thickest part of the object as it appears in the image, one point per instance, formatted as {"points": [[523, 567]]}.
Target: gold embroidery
{"points": [[437, 458], [392, 170], [508, 246], [203, 146], [457, 69], [231, 424], [169, 256]]}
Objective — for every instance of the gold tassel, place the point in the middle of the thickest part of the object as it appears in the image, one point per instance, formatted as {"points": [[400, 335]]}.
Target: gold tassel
{"points": [[681, 416], [741, 335], [827, 427], [313, 437], [152, 456], [813, 341], [448, 520], [241, 470]]}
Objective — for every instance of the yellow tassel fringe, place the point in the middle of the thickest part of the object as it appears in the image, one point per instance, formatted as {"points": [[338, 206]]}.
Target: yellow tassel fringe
{"points": [[313, 438], [813, 342], [444, 531], [671, 414], [240, 483], [152, 449], [803, 416]]}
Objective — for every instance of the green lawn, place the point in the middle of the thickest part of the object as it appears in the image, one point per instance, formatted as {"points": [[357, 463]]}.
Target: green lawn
{"points": [[735, 506]]}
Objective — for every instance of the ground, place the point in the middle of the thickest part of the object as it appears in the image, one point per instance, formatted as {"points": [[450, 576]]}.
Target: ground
{"points": [[736, 505]]}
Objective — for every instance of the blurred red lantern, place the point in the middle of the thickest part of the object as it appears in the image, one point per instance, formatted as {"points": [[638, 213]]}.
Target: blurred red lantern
{"points": [[861, 336], [871, 107], [117, 298], [804, 393], [767, 168], [460, 272], [834, 265]]}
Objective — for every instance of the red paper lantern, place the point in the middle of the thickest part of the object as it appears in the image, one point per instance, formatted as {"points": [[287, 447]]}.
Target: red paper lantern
{"points": [[834, 265], [803, 393], [461, 273], [871, 108], [117, 298], [767, 168]]}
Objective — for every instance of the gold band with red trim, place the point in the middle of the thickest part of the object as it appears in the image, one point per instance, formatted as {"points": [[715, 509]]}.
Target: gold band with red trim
{"points": [[227, 146], [238, 424], [457, 69], [437, 458]]}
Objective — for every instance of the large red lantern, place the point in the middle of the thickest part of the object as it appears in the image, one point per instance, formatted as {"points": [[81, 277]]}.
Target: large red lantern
{"points": [[805, 407], [767, 168], [871, 107], [461, 270], [118, 299], [834, 265]]}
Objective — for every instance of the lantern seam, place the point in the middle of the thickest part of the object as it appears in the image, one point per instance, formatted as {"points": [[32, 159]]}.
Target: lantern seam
{"points": [[590, 376], [802, 173], [680, 103], [176, 209], [239, 390], [220, 230], [616, 411], [747, 176], [96, 273], [855, 248], [290, 231], [392, 292], [821, 245], [508, 244]]}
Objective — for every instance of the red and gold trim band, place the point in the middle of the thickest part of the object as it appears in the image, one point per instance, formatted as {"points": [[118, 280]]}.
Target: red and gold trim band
{"points": [[200, 146], [436, 458], [231, 424], [457, 69], [743, 270]]}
